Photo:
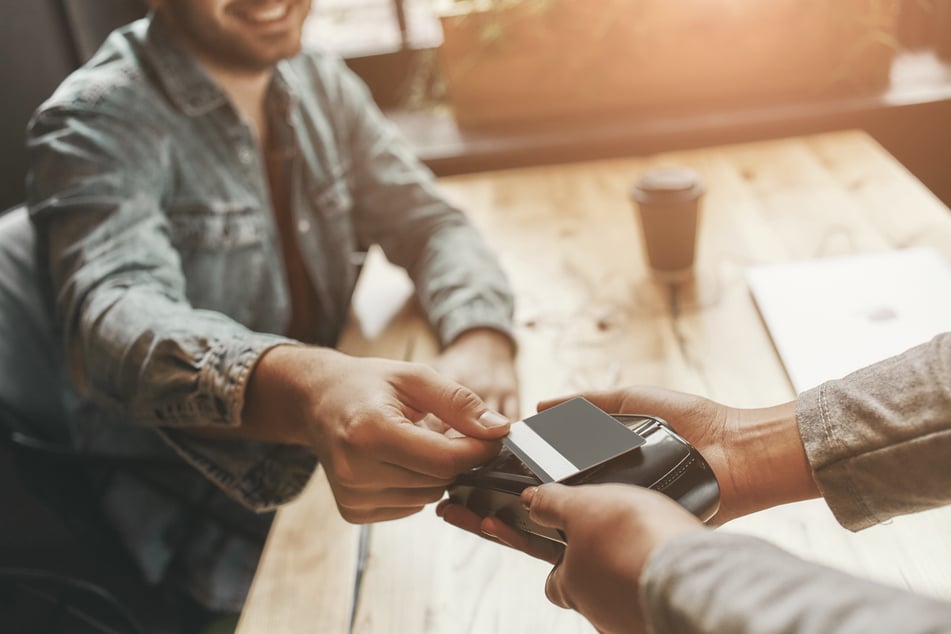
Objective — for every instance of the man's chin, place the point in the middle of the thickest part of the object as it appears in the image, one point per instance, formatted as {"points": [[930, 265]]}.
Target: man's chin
{"points": [[258, 61]]}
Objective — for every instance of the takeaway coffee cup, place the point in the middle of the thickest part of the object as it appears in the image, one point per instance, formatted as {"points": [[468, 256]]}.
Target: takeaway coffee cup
{"points": [[667, 201]]}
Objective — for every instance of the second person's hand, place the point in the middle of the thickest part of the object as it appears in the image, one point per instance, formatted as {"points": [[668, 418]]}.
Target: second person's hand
{"points": [[611, 530], [756, 454], [483, 360]]}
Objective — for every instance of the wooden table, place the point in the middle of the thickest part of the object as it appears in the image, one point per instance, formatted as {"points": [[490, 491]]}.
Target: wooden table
{"points": [[590, 317]]}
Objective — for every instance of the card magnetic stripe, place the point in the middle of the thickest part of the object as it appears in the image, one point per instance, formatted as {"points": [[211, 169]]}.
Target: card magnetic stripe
{"points": [[541, 457]]}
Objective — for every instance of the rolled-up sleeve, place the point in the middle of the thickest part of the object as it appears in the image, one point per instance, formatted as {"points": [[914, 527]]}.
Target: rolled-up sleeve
{"points": [[879, 440], [459, 281], [134, 344]]}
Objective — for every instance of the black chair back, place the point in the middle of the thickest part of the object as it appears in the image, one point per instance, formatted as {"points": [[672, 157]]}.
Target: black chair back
{"points": [[41, 42]]}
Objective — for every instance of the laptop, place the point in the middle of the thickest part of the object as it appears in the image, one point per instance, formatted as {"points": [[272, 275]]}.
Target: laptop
{"points": [[828, 317]]}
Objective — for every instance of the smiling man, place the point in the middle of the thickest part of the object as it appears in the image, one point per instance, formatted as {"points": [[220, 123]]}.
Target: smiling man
{"points": [[199, 190]]}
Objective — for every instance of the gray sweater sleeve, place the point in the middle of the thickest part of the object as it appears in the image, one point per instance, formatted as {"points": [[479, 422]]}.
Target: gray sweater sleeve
{"points": [[718, 583], [879, 440], [879, 443]]}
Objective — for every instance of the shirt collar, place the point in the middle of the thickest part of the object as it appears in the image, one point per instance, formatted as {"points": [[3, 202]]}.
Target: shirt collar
{"points": [[284, 88], [186, 82]]}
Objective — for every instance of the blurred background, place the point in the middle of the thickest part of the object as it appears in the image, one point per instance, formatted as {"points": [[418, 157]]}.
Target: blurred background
{"points": [[499, 83], [487, 84]]}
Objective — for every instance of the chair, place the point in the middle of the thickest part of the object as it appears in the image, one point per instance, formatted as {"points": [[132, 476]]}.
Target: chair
{"points": [[60, 550], [41, 42], [62, 564], [41, 587]]}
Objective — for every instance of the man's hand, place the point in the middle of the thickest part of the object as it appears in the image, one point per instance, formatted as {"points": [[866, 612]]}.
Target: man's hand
{"points": [[484, 361], [611, 530], [756, 454], [360, 417]]}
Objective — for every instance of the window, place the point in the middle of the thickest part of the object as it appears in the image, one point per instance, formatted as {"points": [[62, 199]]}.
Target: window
{"points": [[361, 28]]}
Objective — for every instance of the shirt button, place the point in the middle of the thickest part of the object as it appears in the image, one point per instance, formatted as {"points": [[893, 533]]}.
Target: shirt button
{"points": [[303, 226], [245, 155]]}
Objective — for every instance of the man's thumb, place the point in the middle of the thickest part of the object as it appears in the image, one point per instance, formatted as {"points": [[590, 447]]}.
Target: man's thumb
{"points": [[547, 504], [457, 406]]}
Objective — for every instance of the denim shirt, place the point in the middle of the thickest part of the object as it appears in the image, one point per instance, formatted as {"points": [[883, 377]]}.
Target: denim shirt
{"points": [[151, 204]]}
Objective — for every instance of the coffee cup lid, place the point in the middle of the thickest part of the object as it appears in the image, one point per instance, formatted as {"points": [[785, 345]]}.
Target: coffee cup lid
{"points": [[668, 185]]}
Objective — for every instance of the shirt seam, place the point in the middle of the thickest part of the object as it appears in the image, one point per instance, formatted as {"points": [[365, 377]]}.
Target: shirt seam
{"points": [[847, 464]]}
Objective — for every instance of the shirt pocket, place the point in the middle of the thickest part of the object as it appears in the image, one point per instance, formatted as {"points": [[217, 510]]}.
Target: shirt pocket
{"points": [[334, 243], [227, 260], [215, 227], [333, 200], [333, 207]]}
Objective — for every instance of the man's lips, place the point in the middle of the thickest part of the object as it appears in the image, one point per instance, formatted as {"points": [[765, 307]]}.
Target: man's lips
{"points": [[264, 14]]}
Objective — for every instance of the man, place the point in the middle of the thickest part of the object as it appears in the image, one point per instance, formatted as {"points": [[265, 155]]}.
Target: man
{"points": [[199, 189], [874, 445]]}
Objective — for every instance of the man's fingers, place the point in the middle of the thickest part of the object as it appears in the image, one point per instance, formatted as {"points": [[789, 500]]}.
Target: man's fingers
{"points": [[610, 401], [510, 407], [459, 516], [548, 504], [493, 402], [496, 530], [430, 453], [537, 547], [555, 588], [360, 476], [431, 422], [379, 514], [629, 400], [551, 402], [459, 407], [393, 498]]}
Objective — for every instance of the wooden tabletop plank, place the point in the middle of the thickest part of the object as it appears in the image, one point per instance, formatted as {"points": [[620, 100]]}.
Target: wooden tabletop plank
{"points": [[305, 580]]}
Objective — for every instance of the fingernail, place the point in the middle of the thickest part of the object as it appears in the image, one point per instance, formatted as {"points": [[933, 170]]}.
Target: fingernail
{"points": [[493, 419], [527, 496], [491, 535]]}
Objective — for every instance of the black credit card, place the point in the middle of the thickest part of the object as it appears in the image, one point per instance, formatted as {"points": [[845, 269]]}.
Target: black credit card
{"points": [[569, 438]]}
